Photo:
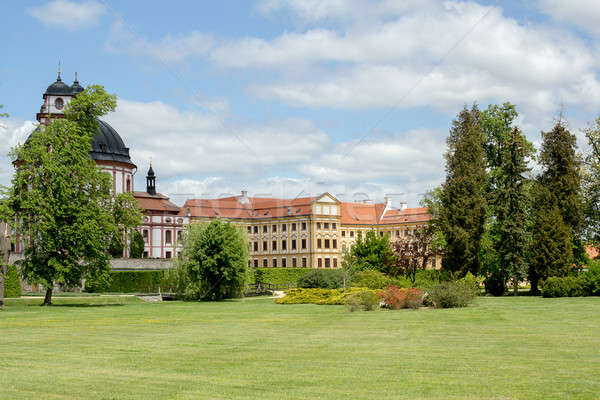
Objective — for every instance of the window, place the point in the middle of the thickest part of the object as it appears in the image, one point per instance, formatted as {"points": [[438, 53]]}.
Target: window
{"points": [[326, 243], [249, 263], [256, 229], [128, 186], [293, 244], [335, 263], [351, 234], [318, 243], [304, 243], [283, 227], [334, 226], [264, 262], [265, 229], [294, 263], [318, 225], [255, 246], [265, 246], [304, 226], [320, 262], [397, 233], [343, 233], [326, 225], [145, 254], [255, 263], [249, 229], [274, 263], [327, 263], [334, 243], [145, 235], [381, 234], [168, 237], [168, 254], [274, 228], [284, 263], [303, 262], [59, 103], [283, 245], [274, 246], [179, 236], [294, 227]]}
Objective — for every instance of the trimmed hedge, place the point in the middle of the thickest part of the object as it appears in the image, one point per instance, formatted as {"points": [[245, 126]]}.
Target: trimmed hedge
{"points": [[279, 275], [322, 279], [320, 296], [130, 282], [568, 286], [12, 283]]}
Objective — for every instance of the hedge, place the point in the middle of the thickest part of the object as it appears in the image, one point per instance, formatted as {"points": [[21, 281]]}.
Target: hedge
{"points": [[131, 282], [320, 296], [279, 275], [12, 283], [568, 286]]}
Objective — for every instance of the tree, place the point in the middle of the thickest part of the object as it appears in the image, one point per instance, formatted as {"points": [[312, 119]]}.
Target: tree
{"points": [[213, 261], [463, 211], [126, 214], [511, 207], [561, 176], [413, 253], [591, 184], [62, 199], [348, 268], [372, 252], [136, 247], [551, 251], [5, 216]]}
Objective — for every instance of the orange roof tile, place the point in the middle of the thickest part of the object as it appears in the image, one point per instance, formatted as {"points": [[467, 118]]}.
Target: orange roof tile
{"points": [[157, 202]]}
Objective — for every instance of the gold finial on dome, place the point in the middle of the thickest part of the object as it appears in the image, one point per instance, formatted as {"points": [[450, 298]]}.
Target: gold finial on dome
{"points": [[58, 79]]}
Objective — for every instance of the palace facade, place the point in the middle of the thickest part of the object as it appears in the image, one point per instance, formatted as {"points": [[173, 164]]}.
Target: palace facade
{"points": [[307, 232]]}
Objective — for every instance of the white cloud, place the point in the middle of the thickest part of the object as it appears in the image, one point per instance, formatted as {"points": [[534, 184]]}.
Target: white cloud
{"points": [[69, 15], [171, 48], [12, 132], [584, 14]]}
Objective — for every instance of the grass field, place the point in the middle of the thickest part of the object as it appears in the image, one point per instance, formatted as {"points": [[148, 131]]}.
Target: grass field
{"points": [[122, 348]]}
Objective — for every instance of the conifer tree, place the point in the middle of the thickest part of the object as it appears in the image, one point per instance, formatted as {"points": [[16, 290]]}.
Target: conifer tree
{"points": [[463, 212], [511, 207]]}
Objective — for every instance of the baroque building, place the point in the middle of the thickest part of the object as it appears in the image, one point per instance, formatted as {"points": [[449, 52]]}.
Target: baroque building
{"points": [[307, 232]]}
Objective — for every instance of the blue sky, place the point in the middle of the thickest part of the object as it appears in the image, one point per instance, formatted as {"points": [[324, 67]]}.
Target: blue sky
{"points": [[282, 97]]}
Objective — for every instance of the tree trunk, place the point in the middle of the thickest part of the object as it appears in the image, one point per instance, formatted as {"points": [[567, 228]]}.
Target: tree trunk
{"points": [[48, 297], [515, 287]]}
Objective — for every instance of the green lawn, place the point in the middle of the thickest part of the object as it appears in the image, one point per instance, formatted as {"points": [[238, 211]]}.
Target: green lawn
{"points": [[122, 348]]}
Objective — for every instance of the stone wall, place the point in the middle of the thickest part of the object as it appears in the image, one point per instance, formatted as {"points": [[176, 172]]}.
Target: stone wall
{"points": [[140, 264]]}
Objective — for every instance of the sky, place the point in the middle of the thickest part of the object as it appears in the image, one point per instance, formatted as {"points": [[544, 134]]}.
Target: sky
{"points": [[292, 98]]}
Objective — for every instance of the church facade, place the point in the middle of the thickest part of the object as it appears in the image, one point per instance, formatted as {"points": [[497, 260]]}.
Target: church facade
{"points": [[308, 232]]}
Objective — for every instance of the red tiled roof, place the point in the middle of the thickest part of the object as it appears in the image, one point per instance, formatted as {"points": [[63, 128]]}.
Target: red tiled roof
{"points": [[371, 214], [592, 252], [254, 208], [157, 202]]}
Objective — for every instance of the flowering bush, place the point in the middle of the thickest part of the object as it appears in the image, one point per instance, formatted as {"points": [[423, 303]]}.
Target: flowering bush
{"points": [[396, 298]]}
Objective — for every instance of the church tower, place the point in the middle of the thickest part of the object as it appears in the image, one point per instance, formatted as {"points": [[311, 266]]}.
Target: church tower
{"points": [[151, 182], [56, 97]]}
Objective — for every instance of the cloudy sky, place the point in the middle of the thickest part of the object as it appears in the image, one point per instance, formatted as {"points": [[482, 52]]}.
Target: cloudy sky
{"points": [[298, 97]]}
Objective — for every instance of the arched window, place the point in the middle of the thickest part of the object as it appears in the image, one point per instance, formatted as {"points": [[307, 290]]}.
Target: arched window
{"points": [[128, 185], [168, 237]]}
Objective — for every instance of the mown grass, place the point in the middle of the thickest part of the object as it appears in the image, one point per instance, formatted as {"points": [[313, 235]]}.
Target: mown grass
{"points": [[123, 348]]}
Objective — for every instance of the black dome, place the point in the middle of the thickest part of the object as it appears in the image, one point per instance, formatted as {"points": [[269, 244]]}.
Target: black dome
{"points": [[59, 87], [76, 88], [108, 145]]}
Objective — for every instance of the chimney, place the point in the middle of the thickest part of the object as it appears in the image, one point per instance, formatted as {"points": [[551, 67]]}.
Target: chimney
{"points": [[388, 202], [289, 211], [243, 199], [403, 205]]}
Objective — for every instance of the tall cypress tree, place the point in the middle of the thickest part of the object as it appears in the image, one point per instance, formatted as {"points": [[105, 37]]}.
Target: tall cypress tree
{"points": [[511, 207], [463, 212]]}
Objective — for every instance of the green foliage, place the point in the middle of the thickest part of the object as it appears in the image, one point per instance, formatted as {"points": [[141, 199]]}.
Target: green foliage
{"points": [[591, 183], [318, 296], [128, 282], [463, 210], [452, 294], [372, 252], [3, 115], [322, 278], [365, 299], [12, 283], [115, 248], [551, 252], [136, 245], [259, 276], [62, 198], [593, 278], [213, 261], [371, 279], [565, 286], [278, 275]]}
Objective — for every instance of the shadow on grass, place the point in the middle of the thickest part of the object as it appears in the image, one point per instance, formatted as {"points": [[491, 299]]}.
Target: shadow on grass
{"points": [[86, 305]]}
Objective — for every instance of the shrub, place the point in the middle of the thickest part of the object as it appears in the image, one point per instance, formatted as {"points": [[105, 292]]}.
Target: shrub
{"points": [[367, 299], [115, 247], [370, 279], [452, 294], [12, 282], [319, 296], [592, 277], [396, 298], [277, 275], [128, 282], [321, 278], [567, 286], [136, 247]]}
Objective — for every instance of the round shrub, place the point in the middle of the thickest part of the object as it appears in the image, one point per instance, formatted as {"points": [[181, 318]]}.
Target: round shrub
{"points": [[12, 282], [365, 299], [321, 279], [567, 286], [370, 279], [396, 298], [452, 294]]}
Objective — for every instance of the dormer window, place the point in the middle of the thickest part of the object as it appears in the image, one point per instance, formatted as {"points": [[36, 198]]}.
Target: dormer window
{"points": [[59, 103]]}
